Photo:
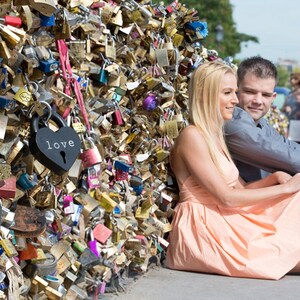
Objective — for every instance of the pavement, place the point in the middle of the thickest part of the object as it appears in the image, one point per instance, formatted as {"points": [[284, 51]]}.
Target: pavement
{"points": [[159, 283]]}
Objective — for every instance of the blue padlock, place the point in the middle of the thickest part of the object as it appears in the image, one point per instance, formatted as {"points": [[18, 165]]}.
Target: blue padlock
{"points": [[7, 103], [27, 182], [47, 21], [49, 65], [136, 183], [199, 29], [119, 165]]}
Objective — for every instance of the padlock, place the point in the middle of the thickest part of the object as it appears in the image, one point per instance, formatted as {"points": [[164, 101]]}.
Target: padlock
{"points": [[102, 233], [49, 65], [90, 155], [62, 28], [66, 230], [117, 117], [150, 102], [11, 38], [47, 21], [197, 29], [3, 126], [68, 205], [55, 150], [8, 247], [136, 183], [45, 198], [92, 242], [88, 259], [27, 182], [28, 253], [24, 96], [44, 95], [8, 187], [45, 7], [30, 53], [115, 232], [5, 263], [5, 171], [106, 202], [122, 170], [77, 48], [76, 216], [102, 77], [93, 177]]}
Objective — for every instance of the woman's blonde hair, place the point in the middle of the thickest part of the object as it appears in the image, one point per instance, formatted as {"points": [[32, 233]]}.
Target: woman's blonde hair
{"points": [[204, 105]]}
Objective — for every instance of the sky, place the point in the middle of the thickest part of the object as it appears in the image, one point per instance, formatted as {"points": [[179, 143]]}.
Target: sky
{"points": [[275, 23]]}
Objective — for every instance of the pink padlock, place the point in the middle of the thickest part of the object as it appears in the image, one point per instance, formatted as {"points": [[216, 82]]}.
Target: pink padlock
{"points": [[90, 155]]}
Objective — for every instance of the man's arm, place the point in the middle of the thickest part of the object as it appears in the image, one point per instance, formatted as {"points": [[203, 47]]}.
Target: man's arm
{"points": [[263, 148]]}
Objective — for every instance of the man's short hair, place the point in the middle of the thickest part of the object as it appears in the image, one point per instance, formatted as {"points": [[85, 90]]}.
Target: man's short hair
{"points": [[260, 67]]}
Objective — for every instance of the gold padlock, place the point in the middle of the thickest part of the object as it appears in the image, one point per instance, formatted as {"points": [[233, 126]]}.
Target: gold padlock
{"points": [[8, 247], [11, 38], [23, 96], [5, 171]]}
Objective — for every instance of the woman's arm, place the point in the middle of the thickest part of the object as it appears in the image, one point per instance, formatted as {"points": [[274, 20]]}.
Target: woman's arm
{"points": [[191, 148], [278, 177]]}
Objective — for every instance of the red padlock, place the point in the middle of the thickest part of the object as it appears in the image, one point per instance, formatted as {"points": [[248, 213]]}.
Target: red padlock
{"points": [[8, 187], [90, 155], [12, 21]]}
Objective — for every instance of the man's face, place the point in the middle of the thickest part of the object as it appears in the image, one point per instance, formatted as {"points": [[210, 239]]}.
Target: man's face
{"points": [[256, 95]]}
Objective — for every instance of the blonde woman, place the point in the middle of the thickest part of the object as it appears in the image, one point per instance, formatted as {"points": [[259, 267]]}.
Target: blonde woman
{"points": [[222, 225]]}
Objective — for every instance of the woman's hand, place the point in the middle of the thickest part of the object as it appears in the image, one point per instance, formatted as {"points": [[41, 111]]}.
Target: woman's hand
{"points": [[293, 184], [282, 177]]}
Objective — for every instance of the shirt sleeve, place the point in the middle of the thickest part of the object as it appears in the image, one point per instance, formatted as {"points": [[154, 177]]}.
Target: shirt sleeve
{"points": [[262, 147]]}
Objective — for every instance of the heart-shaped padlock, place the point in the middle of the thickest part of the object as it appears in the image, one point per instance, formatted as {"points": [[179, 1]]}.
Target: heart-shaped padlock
{"points": [[56, 150]]}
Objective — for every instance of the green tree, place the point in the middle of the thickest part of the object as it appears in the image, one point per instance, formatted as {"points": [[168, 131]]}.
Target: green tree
{"points": [[283, 77], [216, 12]]}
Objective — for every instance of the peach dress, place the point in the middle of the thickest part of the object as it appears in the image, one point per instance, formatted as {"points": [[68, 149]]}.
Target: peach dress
{"points": [[258, 241]]}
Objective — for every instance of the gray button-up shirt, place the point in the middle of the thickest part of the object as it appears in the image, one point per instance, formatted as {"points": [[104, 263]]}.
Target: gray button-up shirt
{"points": [[254, 147]]}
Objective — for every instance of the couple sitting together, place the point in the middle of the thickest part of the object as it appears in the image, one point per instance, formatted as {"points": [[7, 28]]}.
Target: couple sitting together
{"points": [[231, 220]]}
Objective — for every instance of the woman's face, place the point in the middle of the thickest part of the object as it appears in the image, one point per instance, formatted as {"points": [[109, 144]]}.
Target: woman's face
{"points": [[227, 96]]}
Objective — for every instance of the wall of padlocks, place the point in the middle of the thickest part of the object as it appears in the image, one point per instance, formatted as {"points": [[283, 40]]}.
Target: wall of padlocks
{"points": [[93, 94]]}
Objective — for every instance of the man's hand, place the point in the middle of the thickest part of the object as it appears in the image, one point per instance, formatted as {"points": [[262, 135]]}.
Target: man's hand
{"points": [[282, 177]]}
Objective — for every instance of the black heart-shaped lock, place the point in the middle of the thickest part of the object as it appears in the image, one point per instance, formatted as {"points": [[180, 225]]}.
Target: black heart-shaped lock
{"points": [[56, 150]]}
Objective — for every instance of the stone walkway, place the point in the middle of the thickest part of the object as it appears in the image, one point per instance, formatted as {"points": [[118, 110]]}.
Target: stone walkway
{"points": [[164, 284]]}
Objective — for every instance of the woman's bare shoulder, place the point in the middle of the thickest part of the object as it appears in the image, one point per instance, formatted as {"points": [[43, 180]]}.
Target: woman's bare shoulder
{"points": [[190, 134], [190, 131]]}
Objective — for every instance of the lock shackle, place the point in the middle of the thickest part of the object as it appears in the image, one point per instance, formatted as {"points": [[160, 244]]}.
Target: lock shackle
{"points": [[29, 114], [36, 119]]}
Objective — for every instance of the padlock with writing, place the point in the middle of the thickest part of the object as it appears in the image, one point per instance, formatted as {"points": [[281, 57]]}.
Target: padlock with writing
{"points": [[93, 177], [56, 150], [23, 96], [90, 155]]}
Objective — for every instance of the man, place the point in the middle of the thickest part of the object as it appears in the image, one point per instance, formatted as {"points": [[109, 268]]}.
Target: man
{"points": [[254, 144]]}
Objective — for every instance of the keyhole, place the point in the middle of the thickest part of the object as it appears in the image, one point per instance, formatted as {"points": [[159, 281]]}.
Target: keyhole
{"points": [[63, 154]]}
